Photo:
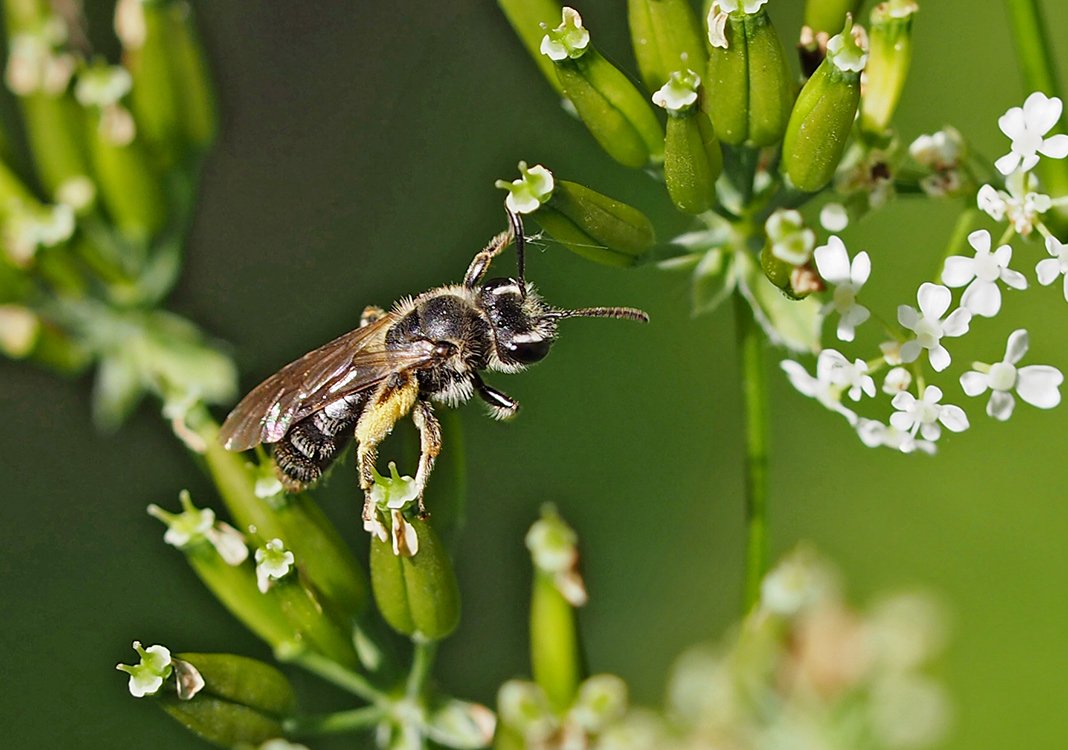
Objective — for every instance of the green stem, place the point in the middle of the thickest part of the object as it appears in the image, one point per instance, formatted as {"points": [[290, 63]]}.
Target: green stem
{"points": [[755, 399], [1039, 71], [336, 723], [333, 672], [422, 664]]}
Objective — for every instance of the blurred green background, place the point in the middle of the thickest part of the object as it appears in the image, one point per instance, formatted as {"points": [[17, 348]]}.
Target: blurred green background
{"points": [[359, 147]]}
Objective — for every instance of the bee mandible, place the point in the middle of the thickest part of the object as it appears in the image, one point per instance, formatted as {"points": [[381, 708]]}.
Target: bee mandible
{"points": [[427, 349]]}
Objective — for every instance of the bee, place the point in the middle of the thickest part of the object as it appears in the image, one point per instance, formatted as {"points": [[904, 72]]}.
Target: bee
{"points": [[428, 349]]}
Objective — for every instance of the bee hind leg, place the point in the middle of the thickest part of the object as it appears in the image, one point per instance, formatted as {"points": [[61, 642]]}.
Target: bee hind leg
{"points": [[370, 314], [429, 445]]}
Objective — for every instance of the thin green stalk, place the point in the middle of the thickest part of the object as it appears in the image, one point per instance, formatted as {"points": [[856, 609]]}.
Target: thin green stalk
{"points": [[333, 672], [336, 723], [422, 664], [1039, 71], [755, 403]]}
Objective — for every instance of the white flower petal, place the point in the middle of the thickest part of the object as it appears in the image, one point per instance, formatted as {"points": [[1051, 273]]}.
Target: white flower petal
{"points": [[973, 382], [832, 261], [1000, 405], [907, 316], [910, 350], [1048, 270], [860, 269], [903, 401], [1005, 164], [1066, 287], [980, 240], [934, 299], [1038, 385], [957, 322], [932, 394], [958, 271], [1016, 347], [1055, 147], [1041, 112], [954, 418], [799, 377], [939, 357], [1012, 123], [930, 431], [1013, 279], [901, 420], [982, 298]]}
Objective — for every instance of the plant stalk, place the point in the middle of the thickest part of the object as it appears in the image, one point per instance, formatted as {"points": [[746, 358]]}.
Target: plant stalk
{"points": [[755, 404], [336, 723]]}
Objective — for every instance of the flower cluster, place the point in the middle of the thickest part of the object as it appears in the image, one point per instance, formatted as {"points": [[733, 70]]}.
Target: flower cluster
{"points": [[923, 333]]}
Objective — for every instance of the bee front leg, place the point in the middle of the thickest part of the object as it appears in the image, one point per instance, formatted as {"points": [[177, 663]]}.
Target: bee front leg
{"points": [[429, 445]]}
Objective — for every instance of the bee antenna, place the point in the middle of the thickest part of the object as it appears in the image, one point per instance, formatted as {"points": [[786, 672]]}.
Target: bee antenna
{"points": [[621, 313], [520, 242]]}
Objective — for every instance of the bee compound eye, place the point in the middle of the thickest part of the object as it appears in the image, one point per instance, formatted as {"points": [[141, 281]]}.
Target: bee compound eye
{"points": [[529, 350]]}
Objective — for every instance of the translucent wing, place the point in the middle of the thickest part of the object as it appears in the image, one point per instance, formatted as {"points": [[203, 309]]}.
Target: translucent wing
{"points": [[350, 363]]}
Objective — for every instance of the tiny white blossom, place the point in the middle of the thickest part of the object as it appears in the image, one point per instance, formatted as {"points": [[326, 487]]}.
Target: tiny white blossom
{"points": [[1027, 127], [929, 327], [527, 193], [942, 153], [846, 54], [897, 380], [834, 217], [852, 377], [822, 387], [679, 94], [147, 676], [891, 352], [1021, 205], [832, 261], [981, 273], [875, 434], [1038, 385], [195, 525], [923, 415], [569, 39], [272, 563], [1048, 269], [791, 241], [717, 26]]}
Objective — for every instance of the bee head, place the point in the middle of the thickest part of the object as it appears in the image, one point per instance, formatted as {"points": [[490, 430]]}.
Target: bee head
{"points": [[524, 327]]}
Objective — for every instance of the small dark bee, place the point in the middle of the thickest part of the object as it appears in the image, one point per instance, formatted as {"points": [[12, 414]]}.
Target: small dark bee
{"points": [[430, 348]]}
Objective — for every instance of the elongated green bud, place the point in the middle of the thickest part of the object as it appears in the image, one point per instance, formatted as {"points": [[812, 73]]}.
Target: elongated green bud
{"points": [[828, 16], [189, 66], [144, 31], [222, 723], [889, 57], [785, 257], [748, 85], [529, 19], [610, 105], [584, 221], [555, 653], [692, 156], [823, 115], [130, 188], [240, 679], [666, 38], [418, 594]]}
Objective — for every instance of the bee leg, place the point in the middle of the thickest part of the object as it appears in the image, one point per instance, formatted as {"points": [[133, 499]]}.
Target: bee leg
{"points": [[370, 314], [481, 262], [393, 399], [501, 405], [429, 445]]}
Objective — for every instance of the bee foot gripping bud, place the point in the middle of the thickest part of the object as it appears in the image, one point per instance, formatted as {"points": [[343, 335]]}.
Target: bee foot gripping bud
{"points": [[823, 115]]}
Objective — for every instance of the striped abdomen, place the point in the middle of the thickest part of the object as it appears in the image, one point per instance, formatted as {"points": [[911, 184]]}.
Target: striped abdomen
{"points": [[312, 444]]}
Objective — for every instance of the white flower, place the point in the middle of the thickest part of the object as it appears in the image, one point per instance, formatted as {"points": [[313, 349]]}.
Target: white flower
{"points": [[929, 327], [553, 548], [939, 151], [846, 54], [897, 380], [1027, 127], [679, 93], [832, 260], [981, 273], [834, 217], [569, 39], [195, 525], [527, 193], [875, 434], [923, 416], [147, 676], [746, 6], [405, 539], [853, 377], [1038, 385], [272, 562], [790, 240], [891, 352], [1048, 269], [823, 387], [1021, 205], [18, 330]]}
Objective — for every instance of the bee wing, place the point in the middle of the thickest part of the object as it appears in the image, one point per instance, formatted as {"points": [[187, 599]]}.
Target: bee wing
{"points": [[350, 363]]}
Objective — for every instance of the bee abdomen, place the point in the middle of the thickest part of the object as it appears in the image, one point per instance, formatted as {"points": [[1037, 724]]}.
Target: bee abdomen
{"points": [[312, 444]]}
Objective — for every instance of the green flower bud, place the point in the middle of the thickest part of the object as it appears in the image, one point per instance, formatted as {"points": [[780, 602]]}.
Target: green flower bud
{"points": [[889, 56], [189, 66], [417, 595], [748, 89], [529, 19], [130, 188], [666, 37], [692, 156], [614, 111], [239, 679], [828, 16], [595, 226], [555, 653], [823, 115]]}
